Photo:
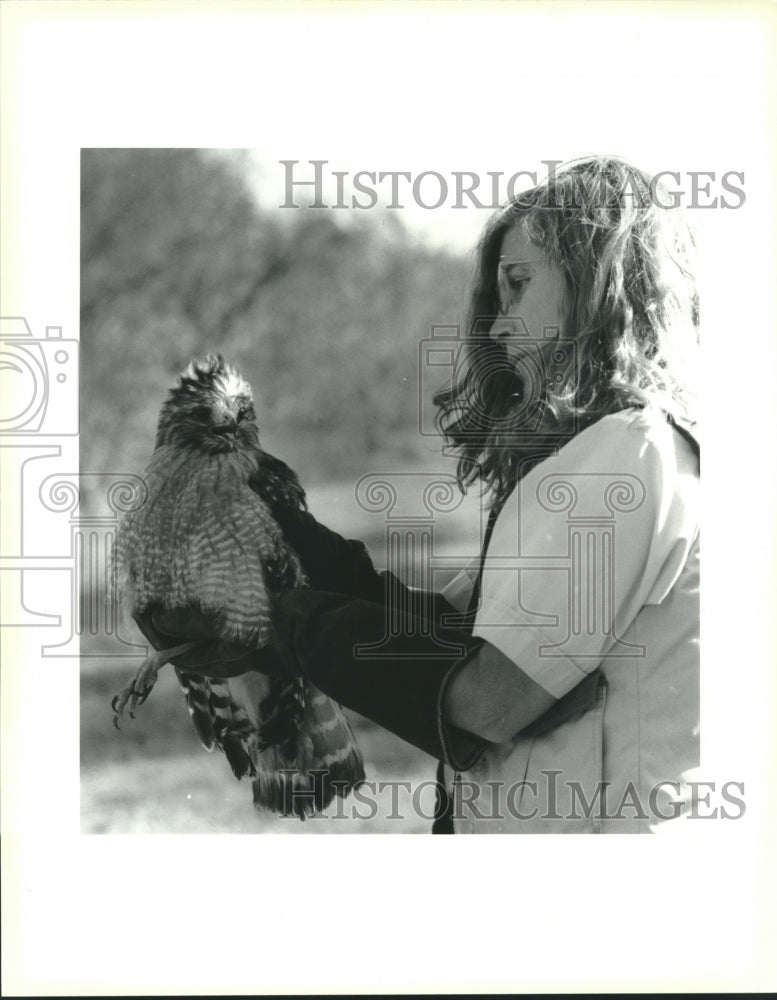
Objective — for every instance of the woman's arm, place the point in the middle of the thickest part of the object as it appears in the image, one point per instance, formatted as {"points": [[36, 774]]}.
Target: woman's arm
{"points": [[440, 689], [489, 697], [343, 566], [493, 698], [423, 686]]}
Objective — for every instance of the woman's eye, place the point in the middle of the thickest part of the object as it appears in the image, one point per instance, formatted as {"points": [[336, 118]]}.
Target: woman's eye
{"points": [[512, 292]]}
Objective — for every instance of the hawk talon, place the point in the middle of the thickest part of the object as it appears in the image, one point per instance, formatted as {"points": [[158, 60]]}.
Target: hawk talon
{"points": [[140, 687]]}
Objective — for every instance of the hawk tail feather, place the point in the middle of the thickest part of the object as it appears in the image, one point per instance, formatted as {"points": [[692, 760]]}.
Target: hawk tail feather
{"points": [[312, 757], [197, 694], [282, 712], [219, 720], [327, 762]]}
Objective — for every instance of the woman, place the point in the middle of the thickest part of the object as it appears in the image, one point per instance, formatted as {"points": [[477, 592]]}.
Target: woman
{"points": [[557, 677], [594, 255]]}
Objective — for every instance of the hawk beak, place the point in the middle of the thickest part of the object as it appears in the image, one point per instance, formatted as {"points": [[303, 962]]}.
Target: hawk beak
{"points": [[224, 418], [227, 426]]}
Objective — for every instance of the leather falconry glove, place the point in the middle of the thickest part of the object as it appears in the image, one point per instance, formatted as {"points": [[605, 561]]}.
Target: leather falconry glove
{"points": [[331, 562], [343, 566], [392, 668], [395, 677], [399, 678], [208, 654]]}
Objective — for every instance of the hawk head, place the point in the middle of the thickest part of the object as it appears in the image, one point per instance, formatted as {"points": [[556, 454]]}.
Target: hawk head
{"points": [[210, 409]]}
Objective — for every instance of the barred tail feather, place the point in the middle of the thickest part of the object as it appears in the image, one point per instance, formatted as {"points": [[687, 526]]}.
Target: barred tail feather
{"points": [[315, 758], [282, 712], [327, 762], [237, 755], [197, 693], [219, 720], [234, 731]]}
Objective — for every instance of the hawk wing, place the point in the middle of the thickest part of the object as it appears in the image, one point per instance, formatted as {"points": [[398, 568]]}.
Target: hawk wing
{"points": [[277, 484]]}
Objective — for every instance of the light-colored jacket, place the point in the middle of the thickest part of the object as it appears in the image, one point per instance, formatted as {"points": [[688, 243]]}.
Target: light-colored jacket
{"points": [[594, 562]]}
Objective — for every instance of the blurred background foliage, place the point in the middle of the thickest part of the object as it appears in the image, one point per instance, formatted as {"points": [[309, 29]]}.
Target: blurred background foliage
{"points": [[324, 317]]}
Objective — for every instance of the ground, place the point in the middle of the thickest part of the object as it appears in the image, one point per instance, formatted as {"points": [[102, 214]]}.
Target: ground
{"points": [[154, 777]]}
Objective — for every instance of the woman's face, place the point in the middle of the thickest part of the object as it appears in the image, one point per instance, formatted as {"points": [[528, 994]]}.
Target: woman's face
{"points": [[531, 293]]}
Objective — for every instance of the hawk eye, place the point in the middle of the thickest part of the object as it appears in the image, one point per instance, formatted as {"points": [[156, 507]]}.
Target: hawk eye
{"points": [[201, 413]]}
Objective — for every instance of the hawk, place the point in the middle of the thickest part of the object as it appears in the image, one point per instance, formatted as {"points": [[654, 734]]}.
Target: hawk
{"points": [[205, 542]]}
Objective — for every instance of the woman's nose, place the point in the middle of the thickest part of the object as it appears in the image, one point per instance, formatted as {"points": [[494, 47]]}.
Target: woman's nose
{"points": [[500, 328], [505, 327]]}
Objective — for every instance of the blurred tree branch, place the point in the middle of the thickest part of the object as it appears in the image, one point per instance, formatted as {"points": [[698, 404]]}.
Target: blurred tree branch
{"points": [[325, 321]]}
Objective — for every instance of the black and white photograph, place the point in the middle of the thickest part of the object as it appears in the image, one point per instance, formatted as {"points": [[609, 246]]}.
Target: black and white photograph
{"points": [[555, 674], [358, 359]]}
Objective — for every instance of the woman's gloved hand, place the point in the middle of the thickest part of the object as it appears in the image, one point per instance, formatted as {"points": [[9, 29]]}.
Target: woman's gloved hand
{"points": [[397, 676], [331, 562], [390, 666], [393, 669], [211, 656], [343, 566]]}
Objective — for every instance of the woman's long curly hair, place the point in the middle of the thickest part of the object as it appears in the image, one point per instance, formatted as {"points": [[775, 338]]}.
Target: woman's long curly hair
{"points": [[630, 331]]}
